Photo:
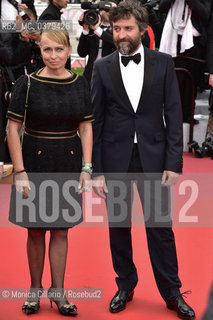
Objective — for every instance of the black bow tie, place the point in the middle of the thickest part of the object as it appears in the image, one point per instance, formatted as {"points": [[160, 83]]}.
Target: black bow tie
{"points": [[136, 58], [102, 26]]}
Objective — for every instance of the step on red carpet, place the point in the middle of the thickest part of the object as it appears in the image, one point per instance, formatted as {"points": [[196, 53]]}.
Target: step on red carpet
{"points": [[89, 267]]}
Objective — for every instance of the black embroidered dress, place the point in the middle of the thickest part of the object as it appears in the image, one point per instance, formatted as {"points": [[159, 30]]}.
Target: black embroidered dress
{"points": [[51, 145]]}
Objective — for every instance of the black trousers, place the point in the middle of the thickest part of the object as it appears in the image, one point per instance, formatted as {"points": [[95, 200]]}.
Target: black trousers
{"points": [[160, 237]]}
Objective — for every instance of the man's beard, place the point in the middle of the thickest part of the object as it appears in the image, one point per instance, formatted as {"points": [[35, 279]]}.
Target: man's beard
{"points": [[129, 47]]}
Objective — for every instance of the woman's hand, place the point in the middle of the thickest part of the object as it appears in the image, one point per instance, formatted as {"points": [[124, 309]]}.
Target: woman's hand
{"points": [[21, 183], [84, 182]]}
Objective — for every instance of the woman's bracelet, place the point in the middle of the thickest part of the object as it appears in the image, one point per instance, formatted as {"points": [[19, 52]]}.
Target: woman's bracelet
{"points": [[87, 164], [87, 169], [17, 172]]}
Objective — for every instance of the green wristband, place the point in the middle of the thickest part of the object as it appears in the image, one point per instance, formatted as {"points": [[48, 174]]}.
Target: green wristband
{"points": [[87, 169], [87, 164]]}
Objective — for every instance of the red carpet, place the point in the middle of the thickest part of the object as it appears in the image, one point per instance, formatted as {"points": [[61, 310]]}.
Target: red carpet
{"points": [[89, 266]]}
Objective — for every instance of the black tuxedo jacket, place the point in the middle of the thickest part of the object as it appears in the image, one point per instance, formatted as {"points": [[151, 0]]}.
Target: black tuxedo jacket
{"points": [[89, 44], [51, 13], [157, 121]]}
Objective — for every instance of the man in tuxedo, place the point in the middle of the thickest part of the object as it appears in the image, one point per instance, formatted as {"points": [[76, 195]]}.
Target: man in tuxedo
{"points": [[53, 11], [137, 132]]}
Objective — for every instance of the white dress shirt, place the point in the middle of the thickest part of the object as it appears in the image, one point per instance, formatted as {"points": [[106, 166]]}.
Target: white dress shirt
{"points": [[98, 33], [8, 11], [133, 76]]}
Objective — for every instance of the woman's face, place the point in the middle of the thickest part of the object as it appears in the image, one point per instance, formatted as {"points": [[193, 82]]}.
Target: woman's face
{"points": [[54, 54]]}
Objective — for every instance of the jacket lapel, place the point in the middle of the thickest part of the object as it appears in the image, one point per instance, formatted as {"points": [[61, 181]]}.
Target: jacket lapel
{"points": [[149, 71], [115, 73]]}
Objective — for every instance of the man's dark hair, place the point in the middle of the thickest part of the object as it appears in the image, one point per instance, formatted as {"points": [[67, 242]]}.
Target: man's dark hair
{"points": [[128, 8]]}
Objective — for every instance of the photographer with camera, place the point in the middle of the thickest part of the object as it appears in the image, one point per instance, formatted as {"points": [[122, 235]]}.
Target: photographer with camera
{"points": [[17, 44], [96, 39], [16, 52]]}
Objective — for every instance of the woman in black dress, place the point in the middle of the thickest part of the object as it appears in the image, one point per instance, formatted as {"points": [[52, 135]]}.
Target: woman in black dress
{"points": [[57, 134]]}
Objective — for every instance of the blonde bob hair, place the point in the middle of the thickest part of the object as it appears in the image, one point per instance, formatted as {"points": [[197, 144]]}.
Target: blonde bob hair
{"points": [[57, 32]]}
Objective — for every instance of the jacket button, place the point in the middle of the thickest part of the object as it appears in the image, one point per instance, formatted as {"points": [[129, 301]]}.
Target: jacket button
{"points": [[39, 152], [72, 152]]}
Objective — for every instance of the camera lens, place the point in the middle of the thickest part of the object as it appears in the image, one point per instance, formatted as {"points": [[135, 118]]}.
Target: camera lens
{"points": [[91, 17]]}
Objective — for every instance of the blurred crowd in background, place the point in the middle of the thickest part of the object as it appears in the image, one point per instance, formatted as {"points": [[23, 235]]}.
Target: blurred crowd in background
{"points": [[181, 28]]}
